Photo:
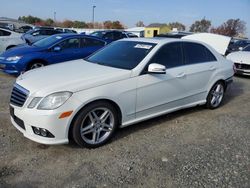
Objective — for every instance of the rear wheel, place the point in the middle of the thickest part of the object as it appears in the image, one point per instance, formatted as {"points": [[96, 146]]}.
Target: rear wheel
{"points": [[215, 96], [95, 124]]}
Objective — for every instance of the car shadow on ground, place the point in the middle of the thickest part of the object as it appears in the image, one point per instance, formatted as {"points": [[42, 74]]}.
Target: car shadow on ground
{"points": [[234, 90]]}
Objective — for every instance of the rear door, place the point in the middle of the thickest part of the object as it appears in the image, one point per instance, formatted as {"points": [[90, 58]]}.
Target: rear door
{"points": [[200, 65]]}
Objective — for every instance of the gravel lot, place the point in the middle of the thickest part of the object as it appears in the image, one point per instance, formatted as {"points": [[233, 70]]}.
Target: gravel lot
{"points": [[195, 147]]}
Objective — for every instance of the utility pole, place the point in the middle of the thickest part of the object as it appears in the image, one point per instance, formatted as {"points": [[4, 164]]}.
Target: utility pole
{"points": [[93, 15]]}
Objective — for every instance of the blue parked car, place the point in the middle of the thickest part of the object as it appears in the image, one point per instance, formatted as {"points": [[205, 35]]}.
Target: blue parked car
{"points": [[54, 49]]}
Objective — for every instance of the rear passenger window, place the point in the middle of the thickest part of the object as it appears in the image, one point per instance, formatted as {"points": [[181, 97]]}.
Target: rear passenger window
{"points": [[87, 42], [169, 55], [4, 33], [70, 43], [196, 53]]}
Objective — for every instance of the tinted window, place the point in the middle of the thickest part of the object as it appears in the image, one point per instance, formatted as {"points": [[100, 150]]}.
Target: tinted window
{"points": [[98, 34], [117, 35], [122, 54], [70, 43], [4, 33], [196, 53], [247, 48], [48, 41], [108, 35], [87, 42], [169, 55]]}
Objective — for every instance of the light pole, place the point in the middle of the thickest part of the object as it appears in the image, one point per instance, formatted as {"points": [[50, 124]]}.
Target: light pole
{"points": [[55, 17], [93, 15]]}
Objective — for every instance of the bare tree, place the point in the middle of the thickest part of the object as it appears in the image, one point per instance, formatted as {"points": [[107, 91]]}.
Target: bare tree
{"points": [[140, 24], [178, 25], [201, 26], [232, 28]]}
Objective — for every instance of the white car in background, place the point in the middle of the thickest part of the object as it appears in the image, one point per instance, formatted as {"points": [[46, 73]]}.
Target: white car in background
{"points": [[241, 60], [128, 81], [9, 39]]}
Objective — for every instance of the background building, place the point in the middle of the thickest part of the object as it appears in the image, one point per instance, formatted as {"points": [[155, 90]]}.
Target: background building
{"points": [[155, 29]]}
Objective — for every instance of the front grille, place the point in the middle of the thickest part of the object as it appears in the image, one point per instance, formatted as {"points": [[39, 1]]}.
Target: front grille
{"points": [[18, 95], [242, 66]]}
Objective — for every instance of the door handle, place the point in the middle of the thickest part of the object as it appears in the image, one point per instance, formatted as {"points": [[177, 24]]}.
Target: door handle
{"points": [[212, 68], [180, 75]]}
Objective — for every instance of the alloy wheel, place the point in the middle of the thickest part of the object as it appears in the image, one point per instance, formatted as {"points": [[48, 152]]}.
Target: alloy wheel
{"points": [[97, 125]]}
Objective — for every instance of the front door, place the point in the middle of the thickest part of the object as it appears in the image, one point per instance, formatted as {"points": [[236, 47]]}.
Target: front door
{"points": [[162, 92]]}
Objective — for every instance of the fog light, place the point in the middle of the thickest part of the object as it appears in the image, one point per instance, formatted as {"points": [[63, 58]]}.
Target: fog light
{"points": [[36, 130], [43, 132]]}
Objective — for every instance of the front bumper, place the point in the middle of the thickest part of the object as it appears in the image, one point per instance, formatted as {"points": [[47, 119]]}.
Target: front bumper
{"points": [[10, 67], [24, 119], [243, 69]]}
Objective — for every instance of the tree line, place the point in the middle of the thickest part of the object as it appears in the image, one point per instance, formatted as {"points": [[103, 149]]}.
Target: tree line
{"points": [[231, 27], [71, 24]]}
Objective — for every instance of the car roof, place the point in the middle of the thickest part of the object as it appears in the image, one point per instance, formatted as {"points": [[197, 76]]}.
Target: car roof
{"points": [[155, 40], [69, 35]]}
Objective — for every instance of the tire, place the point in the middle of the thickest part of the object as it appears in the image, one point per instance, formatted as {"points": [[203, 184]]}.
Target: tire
{"points": [[35, 65], [95, 124], [216, 95]]}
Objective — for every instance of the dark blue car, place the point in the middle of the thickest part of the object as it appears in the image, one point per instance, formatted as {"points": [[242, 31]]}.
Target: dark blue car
{"points": [[54, 49]]}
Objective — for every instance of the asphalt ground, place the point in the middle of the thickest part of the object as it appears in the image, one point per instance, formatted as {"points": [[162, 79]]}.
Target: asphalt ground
{"points": [[194, 147]]}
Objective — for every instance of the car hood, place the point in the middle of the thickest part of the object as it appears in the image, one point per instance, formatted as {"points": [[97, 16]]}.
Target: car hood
{"points": [[218, 42], [239, 57], [71, 76], [21, 50]]}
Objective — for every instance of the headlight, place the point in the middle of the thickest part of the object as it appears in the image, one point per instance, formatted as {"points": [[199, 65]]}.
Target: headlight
{"points": [[54, 100], [14, 58]]}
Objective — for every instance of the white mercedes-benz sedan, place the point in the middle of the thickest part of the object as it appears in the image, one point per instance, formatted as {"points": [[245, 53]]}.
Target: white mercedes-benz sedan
{"points": [[128, 81], [241, 60]]}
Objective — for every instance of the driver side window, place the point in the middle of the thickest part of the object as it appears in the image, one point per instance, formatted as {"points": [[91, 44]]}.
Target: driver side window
{"points": [[170, 55]]}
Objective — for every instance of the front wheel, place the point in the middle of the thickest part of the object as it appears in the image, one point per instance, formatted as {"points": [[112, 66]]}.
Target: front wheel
{"points": [[95, 125], [35, 65], [215, 96]]}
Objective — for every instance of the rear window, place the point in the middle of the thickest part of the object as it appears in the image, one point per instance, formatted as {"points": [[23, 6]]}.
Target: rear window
{"points": [[122, 54], [4, 33], [197, 53], [88, 42]]}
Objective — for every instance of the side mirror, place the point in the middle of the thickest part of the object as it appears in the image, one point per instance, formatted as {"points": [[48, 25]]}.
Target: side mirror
{"points": [[240, 48], [155, 68], [56, 49]]}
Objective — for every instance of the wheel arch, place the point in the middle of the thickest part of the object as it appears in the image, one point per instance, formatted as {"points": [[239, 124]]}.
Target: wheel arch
{"points": [[35, 60], [10, 46], [69, 131]]}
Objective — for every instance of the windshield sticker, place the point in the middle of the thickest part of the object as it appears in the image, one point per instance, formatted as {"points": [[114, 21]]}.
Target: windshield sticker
{"points": [[143, 46], [58, 37]]}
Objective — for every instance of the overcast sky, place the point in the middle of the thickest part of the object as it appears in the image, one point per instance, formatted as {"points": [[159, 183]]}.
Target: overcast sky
{"points": [[131, 11]]}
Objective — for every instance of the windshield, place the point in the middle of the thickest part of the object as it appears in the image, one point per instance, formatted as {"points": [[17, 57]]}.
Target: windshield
{"points": [[122, 54], [247, 48], [47, 41], [98, 34]]}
